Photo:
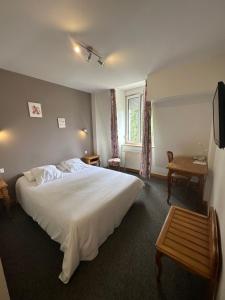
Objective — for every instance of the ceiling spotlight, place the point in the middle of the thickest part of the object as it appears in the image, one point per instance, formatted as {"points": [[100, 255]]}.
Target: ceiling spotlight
{"points": [[89, 56], [77, 49], [101, 62]]}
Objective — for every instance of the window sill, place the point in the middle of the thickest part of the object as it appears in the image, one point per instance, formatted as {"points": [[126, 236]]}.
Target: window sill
{"points": [[132, 145]]}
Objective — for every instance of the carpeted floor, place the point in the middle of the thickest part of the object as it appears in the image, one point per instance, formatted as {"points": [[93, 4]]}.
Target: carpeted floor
{"points": [[123, 270]]}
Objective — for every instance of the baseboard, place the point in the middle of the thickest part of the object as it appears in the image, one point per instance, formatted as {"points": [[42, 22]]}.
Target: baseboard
{"points": [[131, 170], [160, 176]]}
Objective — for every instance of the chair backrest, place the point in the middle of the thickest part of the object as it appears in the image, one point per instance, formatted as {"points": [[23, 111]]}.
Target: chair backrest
{"points": [[170, 156]]}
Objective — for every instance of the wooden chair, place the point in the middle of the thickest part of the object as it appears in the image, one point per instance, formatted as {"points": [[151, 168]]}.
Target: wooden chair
{"points": [[170, 156], [193, 241], [114, 163], [176, 177]]}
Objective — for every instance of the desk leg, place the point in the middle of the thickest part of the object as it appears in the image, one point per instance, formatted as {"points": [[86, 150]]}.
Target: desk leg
{"points": [[159, 264], [201, 187], [169, 182]]}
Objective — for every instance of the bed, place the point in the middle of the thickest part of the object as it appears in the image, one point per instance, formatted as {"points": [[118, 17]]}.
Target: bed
{"points": [[80, 210]]}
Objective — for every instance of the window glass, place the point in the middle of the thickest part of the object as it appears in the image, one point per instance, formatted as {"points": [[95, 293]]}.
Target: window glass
{"points": [[134, 119]]}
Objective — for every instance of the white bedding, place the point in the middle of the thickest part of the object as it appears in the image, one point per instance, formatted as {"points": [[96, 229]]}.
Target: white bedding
{"points": [[79, 211]]}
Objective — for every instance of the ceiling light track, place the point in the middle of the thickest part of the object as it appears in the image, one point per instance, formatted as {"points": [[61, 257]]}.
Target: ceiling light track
{"points": [[90, 51]]}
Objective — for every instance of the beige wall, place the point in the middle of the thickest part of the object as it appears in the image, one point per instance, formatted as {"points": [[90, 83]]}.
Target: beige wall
{"points": [[101, 118], [198, 77], [182, 107], [217, 198], [196, 80], [27, 142], [182, 125]]}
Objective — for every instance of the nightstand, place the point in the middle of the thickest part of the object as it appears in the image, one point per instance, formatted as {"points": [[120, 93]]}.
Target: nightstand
{"points": [[4, 194], [92, 160]]}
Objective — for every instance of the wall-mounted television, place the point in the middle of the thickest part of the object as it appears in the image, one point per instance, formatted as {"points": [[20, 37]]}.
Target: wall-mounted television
{"points": [[219, 115]]}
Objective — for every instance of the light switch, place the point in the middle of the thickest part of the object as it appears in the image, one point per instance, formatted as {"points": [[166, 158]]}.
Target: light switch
{"points": [[2, 171], [85, 152]]}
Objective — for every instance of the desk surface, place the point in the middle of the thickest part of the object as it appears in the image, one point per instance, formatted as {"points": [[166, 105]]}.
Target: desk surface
{"points": [[185, 164]]}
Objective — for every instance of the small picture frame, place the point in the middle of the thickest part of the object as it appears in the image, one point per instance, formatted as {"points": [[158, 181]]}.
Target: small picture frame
{"points": [[62, 122], [35, 110]]}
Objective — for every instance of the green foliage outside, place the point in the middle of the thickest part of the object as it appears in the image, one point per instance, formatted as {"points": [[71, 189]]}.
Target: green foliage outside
{"points": [[134, 120]]}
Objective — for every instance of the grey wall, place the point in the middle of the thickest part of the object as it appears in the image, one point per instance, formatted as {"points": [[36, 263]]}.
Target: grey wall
{"points": [[27, 142]]}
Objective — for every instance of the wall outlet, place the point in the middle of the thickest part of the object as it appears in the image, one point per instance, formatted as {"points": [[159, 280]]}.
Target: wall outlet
{"points": [[85, 152], [2, 171]]}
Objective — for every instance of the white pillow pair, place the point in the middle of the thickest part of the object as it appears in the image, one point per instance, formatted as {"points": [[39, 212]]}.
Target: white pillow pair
{"points": [[72, 165], [43, 174], [50, 172]]}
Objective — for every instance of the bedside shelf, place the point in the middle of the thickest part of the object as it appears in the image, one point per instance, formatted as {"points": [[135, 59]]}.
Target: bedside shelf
{"points": [[92, 160]]}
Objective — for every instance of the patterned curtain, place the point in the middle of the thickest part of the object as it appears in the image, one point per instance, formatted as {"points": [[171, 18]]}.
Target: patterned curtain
{"points": [[146, 155], [114, 131]]}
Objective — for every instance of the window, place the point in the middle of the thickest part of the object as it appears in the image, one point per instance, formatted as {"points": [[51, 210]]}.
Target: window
{"points": [[134, 115]]}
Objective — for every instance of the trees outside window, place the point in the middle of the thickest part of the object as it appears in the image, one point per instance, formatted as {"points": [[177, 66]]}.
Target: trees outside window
{"points": [[134, 114]]}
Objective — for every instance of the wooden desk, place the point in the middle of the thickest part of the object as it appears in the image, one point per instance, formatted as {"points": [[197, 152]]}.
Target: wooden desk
{"points": [[92, 160], [193, 241], [184, 165]]}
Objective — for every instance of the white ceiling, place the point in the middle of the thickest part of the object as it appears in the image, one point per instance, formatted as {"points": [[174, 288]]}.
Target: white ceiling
{"points": [[136, 37]]}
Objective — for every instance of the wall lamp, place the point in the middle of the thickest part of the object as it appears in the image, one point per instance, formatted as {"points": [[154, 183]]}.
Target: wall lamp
{"points": [[85, 130], [90, 52]]}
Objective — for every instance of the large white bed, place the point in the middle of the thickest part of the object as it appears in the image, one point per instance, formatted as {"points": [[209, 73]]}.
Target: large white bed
{"points": [[80, 210]]}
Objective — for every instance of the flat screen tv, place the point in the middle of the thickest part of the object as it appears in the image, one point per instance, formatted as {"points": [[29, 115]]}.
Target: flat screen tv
{"points": [[219, 115]]}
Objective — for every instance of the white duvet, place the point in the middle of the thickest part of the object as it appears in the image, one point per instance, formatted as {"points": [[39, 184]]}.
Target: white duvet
{"points": [[79, 211]]}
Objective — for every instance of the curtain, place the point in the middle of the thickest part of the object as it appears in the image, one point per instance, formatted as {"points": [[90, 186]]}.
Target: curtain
{"points": [[114, 130], [146, 155]]}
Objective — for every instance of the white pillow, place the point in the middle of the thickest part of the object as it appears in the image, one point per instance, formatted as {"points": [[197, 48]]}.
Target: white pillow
{"points": [[73, 165], [61, 168], [29, 176], [46, 173]]}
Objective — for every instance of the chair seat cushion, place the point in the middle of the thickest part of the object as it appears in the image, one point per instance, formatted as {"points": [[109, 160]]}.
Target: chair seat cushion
{"points": [[114, 161]]}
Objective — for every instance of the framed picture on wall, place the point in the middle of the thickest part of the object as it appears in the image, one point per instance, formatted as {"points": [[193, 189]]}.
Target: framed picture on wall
{"points": [[62, 122], [35, 110]]}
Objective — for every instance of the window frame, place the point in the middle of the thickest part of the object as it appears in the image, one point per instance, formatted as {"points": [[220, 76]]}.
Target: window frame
{"points": [[141, 98]]}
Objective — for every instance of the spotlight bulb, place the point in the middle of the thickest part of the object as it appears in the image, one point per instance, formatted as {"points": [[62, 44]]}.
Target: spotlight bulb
{"points": [[77, 49]]}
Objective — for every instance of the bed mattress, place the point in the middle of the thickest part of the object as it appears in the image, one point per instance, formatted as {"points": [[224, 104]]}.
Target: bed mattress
{"points": [[80, 210]]}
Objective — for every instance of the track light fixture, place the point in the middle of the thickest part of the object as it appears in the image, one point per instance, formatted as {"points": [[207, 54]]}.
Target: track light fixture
{"points": [[101, 62], [90, 52]]}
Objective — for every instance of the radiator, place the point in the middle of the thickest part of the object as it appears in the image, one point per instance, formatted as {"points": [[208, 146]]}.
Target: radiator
{"points": [[131, 158]]}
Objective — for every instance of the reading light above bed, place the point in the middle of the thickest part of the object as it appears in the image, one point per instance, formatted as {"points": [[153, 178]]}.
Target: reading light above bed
{"points": [[5, 135]]}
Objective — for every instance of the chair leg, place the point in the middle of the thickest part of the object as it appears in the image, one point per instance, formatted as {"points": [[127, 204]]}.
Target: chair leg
{"points": [[169, 184], [159, 264], [168, 201], [187, 186]]}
